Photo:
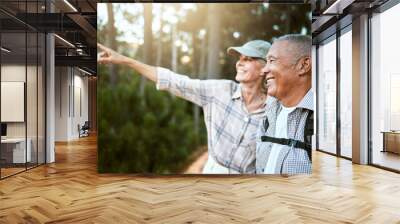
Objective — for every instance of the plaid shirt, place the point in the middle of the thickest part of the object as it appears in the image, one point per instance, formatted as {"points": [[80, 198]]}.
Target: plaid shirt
{"points": [[290, 160], [231, 130]]}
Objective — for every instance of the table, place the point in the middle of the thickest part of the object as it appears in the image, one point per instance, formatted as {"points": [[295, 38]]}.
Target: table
{"points": [[391, 141], [13, 150]]}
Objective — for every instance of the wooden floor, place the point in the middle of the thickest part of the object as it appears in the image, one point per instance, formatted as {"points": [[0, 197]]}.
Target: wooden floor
{"points": [[71, 191], [387, 159], [10, 171]]}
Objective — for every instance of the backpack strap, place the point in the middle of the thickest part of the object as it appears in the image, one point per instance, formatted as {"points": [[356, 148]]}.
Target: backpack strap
{"points": [[266, 124], [287, 142], [308, 132]]}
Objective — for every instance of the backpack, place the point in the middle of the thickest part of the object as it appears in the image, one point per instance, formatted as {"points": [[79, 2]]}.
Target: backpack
{"points": [[308, 132]]}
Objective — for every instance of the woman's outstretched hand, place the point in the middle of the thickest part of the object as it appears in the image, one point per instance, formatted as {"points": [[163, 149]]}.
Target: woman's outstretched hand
{"points": [[108, 56]]}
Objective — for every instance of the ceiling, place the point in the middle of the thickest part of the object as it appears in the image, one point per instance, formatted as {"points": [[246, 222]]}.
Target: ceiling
{"points": [[74, 22], [330, 15]]}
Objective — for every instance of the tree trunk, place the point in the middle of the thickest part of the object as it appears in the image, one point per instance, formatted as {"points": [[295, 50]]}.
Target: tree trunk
{"points": [[159, 41], [201, 70], [112, 42], [203, 52], [148, 41], [196, 74], [203, 58], [213, 66], [174, 58]]}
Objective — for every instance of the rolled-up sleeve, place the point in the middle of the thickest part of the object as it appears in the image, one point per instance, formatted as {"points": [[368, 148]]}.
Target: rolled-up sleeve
{"points": [[197, 91]]}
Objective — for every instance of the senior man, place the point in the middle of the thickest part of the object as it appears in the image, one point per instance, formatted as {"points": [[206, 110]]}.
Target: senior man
{"points": [[284, 136], [232, 111]]}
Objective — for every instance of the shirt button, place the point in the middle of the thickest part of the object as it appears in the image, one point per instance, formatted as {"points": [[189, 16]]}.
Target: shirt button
{"points": [[246, 119]]}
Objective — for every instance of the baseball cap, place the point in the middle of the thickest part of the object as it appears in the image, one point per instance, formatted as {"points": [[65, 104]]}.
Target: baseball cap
{"points": [[254, 48]]}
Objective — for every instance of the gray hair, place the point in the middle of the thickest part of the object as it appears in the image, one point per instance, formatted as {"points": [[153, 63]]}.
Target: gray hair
{"points": [[261, 61], [300, 45]]}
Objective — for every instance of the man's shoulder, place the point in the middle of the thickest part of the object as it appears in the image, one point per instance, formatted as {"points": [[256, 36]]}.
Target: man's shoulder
{"points": [[272, 100], [270, 114], [272, 105]]}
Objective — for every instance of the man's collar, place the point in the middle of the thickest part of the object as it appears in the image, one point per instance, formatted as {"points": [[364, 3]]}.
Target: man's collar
{"points": [[308, 101]]}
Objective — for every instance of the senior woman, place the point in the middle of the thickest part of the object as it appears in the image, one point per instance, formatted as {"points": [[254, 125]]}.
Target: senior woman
{"points": [[232, 111]]}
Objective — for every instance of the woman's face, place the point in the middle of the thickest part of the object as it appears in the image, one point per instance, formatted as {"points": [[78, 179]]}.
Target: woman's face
{"points": [[248, 70]]}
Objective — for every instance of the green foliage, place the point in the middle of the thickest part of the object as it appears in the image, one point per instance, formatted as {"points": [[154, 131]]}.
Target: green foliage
{"points": [[153, 133]]}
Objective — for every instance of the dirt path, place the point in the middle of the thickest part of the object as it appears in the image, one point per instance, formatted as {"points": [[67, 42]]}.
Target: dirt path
{"points": [[197, 166]]}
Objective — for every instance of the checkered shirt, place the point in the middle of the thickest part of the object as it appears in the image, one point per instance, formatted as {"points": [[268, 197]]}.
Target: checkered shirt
{"points": [[231, 130], [290, 160]]}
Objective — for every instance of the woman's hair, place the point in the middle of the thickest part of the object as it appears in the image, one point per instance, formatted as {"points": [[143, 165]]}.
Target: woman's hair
{"points": [[263, 88]]}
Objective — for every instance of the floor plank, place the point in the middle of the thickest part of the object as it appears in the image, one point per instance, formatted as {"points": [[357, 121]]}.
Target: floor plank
{"points": [[71, 191]]}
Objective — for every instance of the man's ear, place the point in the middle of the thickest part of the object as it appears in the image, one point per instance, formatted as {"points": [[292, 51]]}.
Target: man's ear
{"points": [[304, 65]]}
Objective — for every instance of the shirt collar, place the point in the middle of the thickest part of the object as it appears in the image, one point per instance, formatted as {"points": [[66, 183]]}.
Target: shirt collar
{"points": [[238, 93], [308, 101]]}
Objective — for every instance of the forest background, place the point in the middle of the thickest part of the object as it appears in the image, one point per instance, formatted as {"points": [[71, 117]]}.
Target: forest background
{"points": [[143, 130]]}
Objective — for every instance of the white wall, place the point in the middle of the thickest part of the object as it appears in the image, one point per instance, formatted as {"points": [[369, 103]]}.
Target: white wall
{"points": [[12, 100], [33, 127], [61, 103], [71, 87], [12, 73]]}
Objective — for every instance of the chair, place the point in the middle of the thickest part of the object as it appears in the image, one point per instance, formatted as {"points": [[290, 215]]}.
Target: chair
{"points": [[84, 130]]}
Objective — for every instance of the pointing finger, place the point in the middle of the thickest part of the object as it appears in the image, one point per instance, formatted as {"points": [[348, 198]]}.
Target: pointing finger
{"points": [[103, 48]]}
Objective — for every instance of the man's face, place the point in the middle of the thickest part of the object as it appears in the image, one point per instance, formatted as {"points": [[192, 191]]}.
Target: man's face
{"points": [[280, 70], [248, 69]]}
